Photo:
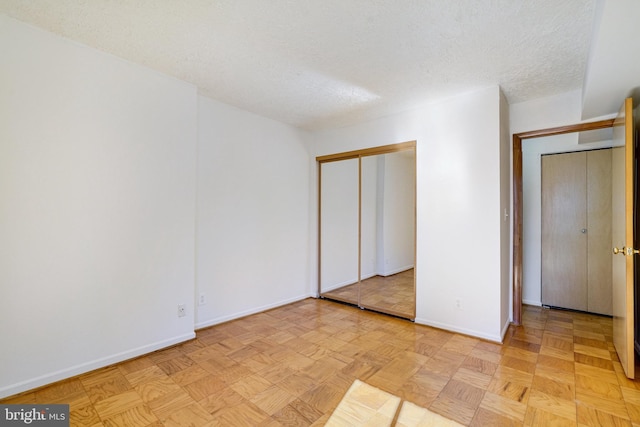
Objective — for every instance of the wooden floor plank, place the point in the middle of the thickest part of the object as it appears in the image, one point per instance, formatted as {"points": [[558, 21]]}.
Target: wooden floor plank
{"points": [[293, 365]]}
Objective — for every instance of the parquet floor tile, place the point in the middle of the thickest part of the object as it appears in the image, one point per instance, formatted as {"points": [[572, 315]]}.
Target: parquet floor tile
{"points": [[504, 407], [293, 365], [485, 417], [554, 373], [510, 388], [589, 416], [473, 378], [634, 413]]}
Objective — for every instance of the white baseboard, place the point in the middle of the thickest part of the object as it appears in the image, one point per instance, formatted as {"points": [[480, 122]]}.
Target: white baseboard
{"points": [[451, 328], [238, 315], [72, 371], [532, 302], [504, 330]]}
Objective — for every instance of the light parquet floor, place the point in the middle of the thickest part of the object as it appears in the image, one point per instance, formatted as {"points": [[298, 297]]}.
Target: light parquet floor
{"points": [[292, 366], [393, 294]]}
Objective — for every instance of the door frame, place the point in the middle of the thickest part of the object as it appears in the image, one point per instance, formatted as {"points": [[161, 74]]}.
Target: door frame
{"points": [[517, 209]]}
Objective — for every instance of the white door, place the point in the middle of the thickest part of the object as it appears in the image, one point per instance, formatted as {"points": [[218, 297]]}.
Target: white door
{"points": [[622, 182]]}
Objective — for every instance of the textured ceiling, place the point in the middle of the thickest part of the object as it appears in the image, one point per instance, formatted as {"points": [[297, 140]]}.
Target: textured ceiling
{"points": [[320, 63]]}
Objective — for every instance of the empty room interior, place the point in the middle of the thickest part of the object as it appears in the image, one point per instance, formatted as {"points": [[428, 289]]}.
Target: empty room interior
{"points": [[247, 212]]}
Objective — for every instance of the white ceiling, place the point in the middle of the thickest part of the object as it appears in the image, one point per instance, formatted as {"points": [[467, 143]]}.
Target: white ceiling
{"points": [[323, 63]]}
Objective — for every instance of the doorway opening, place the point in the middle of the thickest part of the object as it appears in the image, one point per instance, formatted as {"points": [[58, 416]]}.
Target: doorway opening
{"points": [[518, 200]]}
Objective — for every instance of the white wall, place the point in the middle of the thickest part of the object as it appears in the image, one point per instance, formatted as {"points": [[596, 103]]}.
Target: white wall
{"points": [[559, 110], [458, 205], [97, 208], [253, 214]]}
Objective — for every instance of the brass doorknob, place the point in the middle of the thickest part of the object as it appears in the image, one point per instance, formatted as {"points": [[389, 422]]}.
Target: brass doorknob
{"points": [[625, 251]]}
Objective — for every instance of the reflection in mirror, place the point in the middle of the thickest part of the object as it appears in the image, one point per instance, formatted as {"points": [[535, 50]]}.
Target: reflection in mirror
{"points": [[388, 233], [339, 229], [367, 229]]}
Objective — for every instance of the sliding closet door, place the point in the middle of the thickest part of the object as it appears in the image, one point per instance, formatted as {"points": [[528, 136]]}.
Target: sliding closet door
{"points": [[367, 228], [599, 263], [388, 233], [564, 230], [576, 231], [339, 229]]}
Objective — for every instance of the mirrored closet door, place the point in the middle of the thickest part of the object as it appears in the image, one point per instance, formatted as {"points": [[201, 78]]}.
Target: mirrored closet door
{"points": [[367, 228], [339, 230]]}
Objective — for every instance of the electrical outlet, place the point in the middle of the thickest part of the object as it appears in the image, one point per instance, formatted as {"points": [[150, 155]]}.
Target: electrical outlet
{"points": [[182, 311], [202, 300]]}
